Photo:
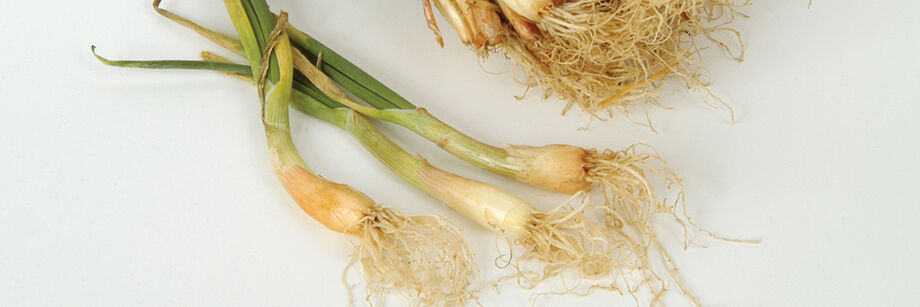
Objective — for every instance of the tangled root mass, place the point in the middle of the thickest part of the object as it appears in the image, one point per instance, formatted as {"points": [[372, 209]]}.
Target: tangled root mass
{"points": [[616, 240], [422, 258], [605, 55], [600, 248]]}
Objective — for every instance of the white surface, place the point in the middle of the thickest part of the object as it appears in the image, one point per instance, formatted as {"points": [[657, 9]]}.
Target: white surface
{"points": [[151, 188]]}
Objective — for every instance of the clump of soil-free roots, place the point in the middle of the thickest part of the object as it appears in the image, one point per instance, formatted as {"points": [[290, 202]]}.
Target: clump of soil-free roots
{"points": [[602, 55], [415, 256]]}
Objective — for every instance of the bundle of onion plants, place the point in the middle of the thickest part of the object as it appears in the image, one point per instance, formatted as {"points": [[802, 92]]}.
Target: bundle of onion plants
{"points": [[618, 240]]}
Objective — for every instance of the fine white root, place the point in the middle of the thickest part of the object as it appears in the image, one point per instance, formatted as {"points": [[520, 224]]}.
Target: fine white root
{"points": [[420, 257]]}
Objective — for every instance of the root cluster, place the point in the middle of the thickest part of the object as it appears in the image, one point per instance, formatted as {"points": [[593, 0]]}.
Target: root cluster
{"points": [[603, 250], [606, 55], [611, 246], [422, 258], [566, 239], [624, 178]]}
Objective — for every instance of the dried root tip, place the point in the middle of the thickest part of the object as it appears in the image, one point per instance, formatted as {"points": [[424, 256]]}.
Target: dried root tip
{"points": [[559, 168], [422, 258]]}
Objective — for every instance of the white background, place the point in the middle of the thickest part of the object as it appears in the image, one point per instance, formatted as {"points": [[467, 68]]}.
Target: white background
{"points": [[151, 188]]}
